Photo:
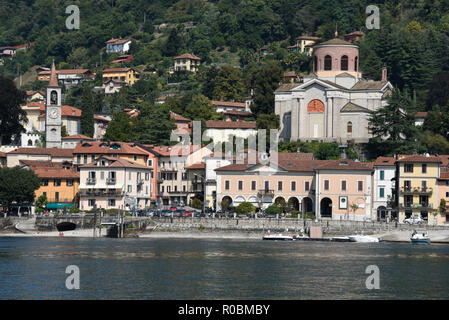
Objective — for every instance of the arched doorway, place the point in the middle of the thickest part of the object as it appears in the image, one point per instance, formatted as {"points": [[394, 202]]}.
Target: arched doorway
{"points": [[226, 203], [307, 205], [326, 208], [381, 213], [281, 203], [293, 203]]}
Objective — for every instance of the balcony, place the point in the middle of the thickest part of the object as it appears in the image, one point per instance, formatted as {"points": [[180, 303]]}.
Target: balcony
{"points": [[99, 193], [423, 205], [265, 192], [420, 190], [110, 181], [91, 181], [139, 181]]}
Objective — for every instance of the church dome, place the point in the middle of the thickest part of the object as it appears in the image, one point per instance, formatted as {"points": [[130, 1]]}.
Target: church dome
{"points": [[334, 57]]}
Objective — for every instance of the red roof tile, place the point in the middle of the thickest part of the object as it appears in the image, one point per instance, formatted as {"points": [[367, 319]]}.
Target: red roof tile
{"points": [[418, 158], [54, 152], [229, 104], [178, 117], [96, 147], [77, 136], [231, 124], [385, 161], [187, 56]]}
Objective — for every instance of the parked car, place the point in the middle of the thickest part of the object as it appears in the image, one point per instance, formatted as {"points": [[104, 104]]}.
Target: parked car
{"points": [[199, 214], [178, 213], [167, 213], [413, 220], [173, 208], [187, 213]]}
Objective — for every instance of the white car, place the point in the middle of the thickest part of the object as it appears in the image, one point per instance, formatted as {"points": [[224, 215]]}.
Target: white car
{"points": [[413, 220]]}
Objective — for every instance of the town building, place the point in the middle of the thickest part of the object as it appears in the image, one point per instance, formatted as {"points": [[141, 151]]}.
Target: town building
{"points": [[14, 157], [334, 102], [304, 45], [353, 36], [417, 186], [225, 131], [115, 183], [72, 141], [187, 62], [33, 95], [118, 45], [124, 75], [223, 106], [68, 77], [53, 122], [183, 126], [59, 182], [383, 190]]}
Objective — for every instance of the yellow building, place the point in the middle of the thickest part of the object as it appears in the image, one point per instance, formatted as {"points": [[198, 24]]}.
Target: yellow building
{"points": [[188, 62], [59, 182], [303, 45], [417, 186], [125, 75]]}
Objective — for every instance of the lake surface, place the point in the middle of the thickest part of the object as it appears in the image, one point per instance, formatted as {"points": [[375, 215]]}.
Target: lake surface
{"points": [[34, 268]]}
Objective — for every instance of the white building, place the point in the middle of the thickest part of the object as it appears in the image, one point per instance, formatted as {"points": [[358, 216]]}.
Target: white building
{"points": [[384, 172], [118, 45], [224, 131]]}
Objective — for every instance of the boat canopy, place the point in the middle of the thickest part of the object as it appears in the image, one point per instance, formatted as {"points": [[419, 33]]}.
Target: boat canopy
{"points": [[54, 205]]}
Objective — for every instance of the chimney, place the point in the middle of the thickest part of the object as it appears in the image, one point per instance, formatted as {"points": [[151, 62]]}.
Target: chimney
{"points": [[384, 74]]}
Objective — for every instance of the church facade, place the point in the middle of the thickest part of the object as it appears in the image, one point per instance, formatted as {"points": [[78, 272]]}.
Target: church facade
{"points": [[334, 102]]}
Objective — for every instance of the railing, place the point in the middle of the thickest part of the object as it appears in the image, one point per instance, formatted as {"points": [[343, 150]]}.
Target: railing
{"points": [[416, 189], [102, 193], [91, 181], [265, 192], [423, 205], [110, 181]]}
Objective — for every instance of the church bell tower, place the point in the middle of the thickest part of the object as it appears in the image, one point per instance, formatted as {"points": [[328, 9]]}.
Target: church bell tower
{"points": [[53, 121]]}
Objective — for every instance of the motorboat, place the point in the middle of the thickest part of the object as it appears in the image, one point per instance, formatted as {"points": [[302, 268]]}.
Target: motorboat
{"points": [[65, 226], [420, 238], [363, 238], [278, 237], [341, 239]]}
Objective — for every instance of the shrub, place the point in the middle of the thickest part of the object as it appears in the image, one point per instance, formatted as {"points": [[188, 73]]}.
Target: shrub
{"points": [[245, 208], [273, 209]]}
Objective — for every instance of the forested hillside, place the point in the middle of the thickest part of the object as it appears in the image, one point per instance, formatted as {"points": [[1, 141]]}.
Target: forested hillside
{"points": [[412, 42]]}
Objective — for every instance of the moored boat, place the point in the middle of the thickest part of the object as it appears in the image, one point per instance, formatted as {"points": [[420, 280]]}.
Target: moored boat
{"points": [[278, 237], [362, 238], [420, 238]]}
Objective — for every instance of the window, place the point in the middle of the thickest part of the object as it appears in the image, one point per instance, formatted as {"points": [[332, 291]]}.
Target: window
{"points": [[344, 63], [349, 127], [102, 175], [408, 167], [168, 189], [360, 186], [424, 184], [356, 63], [381, 192], [279, 185], [85, 158], [69, 183], [91, 202], [343, 185], [150, 162], [293, 186], [240, 185], [146, 189], [327, 63], [407, 185], [78, 158], [44, 194], [93, 158], [326, 184], [176, 188], [111, 202], [447, 194], [227, 185], [57, 182], [424, 168], [45, 182], [184, 188], [130, 188], [135, 158], [57, 196], [267, 185], [147, 176], [382, 175], [162, 189], [253, 185], [129, 175]]}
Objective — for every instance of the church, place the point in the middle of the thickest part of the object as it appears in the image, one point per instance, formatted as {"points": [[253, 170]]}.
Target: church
{"points": [[334, 102]]}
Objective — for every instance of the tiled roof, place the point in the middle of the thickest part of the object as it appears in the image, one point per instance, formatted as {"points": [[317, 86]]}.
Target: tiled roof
{"points": [[344, 164], [43, 172], [230, 124], [420, 114], [336, 41], [100, 118], [295, 156], [444, 176], [229, 104], [368, 85], [2, 154], [385, 161], [67, 111], [96, 147], [200, 165], [178, 117], [290, 74], [116, 163], [77, 136], [65, 71], [117, 41], [112, 70], [54, 152], [418, 158], [287, 87], [238, 113], [167, 151], [187, 56]]}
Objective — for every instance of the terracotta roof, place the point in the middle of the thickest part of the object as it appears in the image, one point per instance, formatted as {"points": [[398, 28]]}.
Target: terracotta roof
{"points": [[42, 172], [116, 70], [2, 154], [294, 156], [116, 163], [418, 158], [238, 113], [97, 147], [167, 151], [229, 104], [444, 160], [290, 74], [187, 56], [200, 165], [40, 105], [67, 111], [284, 164], [420, 114], [369, 85], [65, 71], [178, 117], [53, 76], [385, 161], [54, 152], [77, 136], [344, 164], [355, 33], [444, 176], [117, 41], [101, 118], [38, 163], [231, 124]]}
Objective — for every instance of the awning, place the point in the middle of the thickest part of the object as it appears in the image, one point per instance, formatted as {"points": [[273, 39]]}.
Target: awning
{"points": [[55, 205]]}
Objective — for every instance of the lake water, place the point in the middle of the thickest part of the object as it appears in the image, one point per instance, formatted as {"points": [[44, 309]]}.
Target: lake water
{"points": [[34, 268]]}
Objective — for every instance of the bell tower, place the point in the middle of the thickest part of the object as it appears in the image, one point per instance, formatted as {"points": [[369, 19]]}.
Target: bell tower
{"points": [[53, 121]]}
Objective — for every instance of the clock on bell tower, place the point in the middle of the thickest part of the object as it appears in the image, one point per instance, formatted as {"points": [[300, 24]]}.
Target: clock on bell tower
{"points": [[53, 121]]}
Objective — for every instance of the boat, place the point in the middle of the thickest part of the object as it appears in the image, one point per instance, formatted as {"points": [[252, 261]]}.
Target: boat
{"points": [[341, 239], [278, 237], [362, 238], [420, 238]]}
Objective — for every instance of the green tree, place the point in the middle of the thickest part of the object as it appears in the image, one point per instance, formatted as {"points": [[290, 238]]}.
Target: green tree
{"points": [[273, 209], [228, 84], [154, 126], [266, 81], [87, 109], [17, 185], [245, 208], [197, 203], [78, 57], [119, 128], [267, 121], [11, 114]]}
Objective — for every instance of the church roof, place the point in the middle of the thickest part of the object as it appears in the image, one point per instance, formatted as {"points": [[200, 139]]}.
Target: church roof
{"points": [[345, 74], [352, 107], [286, 87], [53, 76], [369, 85]]}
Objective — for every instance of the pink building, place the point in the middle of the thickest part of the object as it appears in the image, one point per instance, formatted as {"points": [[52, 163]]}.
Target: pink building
{"points": [[114, 183]]}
